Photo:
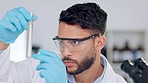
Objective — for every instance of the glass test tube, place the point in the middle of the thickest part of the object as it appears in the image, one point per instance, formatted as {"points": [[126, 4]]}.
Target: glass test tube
{"points": [[29, 37]]}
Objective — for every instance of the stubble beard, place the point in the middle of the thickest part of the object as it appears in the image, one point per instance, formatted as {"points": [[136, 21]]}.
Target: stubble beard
{"points": [[85, 64]]}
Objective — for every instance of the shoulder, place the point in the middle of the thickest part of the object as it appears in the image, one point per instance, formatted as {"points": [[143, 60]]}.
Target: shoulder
{"points": [[109, 74]]}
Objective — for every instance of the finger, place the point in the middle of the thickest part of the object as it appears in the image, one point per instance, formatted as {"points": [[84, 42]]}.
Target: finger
{"points": [[45, 74], [42, 74], [49, 53], [43, 58], [50, 63], [42, 66], [47, 59], [8, 26], [40, 57], [15, 21], [23, 21], [41, 62], [25, 13]]}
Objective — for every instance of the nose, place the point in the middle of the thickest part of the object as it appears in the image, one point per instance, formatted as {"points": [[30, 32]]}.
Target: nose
{"points": [[65, 51]]}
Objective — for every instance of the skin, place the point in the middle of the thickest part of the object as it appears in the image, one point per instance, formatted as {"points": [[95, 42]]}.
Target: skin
{"points": [[3, 46], [92, 49]]}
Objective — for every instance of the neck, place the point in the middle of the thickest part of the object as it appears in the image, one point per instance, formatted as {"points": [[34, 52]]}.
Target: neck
{"points": [[91, 74]]}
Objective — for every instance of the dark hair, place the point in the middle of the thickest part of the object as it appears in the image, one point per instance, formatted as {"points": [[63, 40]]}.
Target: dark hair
{"points": [[88, 15]]}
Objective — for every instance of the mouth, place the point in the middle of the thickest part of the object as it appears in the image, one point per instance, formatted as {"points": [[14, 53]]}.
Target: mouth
{"points": [[68, 63]]}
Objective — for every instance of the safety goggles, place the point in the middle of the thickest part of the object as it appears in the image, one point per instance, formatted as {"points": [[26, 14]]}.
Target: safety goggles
{"points": [[73, 44]]}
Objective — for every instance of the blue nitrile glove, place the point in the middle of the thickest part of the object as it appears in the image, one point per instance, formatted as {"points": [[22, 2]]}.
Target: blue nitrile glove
{"points": [[51, 66], [14, 23]]}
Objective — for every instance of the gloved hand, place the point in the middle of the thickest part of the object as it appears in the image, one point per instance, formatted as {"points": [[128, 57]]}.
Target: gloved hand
{"points": [[14, 23], [51, 66]]}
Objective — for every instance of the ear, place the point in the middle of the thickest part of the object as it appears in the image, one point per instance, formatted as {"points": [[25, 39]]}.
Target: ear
{"points": [[100, 42]]}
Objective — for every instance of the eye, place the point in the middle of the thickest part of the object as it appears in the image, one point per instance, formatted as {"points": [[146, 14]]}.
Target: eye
{"points": [[61, 42], [75, 42]]}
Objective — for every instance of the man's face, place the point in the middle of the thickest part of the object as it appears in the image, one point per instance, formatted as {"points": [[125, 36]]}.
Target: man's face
{"points": [[76, 60]]}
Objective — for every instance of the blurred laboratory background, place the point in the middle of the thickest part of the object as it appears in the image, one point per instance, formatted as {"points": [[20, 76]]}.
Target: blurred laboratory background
{"points": [[127, 28]]}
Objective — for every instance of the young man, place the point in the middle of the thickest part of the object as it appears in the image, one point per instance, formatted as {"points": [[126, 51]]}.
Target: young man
{"points": [[80, 40]]}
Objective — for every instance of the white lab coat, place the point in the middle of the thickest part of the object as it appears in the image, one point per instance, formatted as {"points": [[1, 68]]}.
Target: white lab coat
{"points": [[25, 71]]}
